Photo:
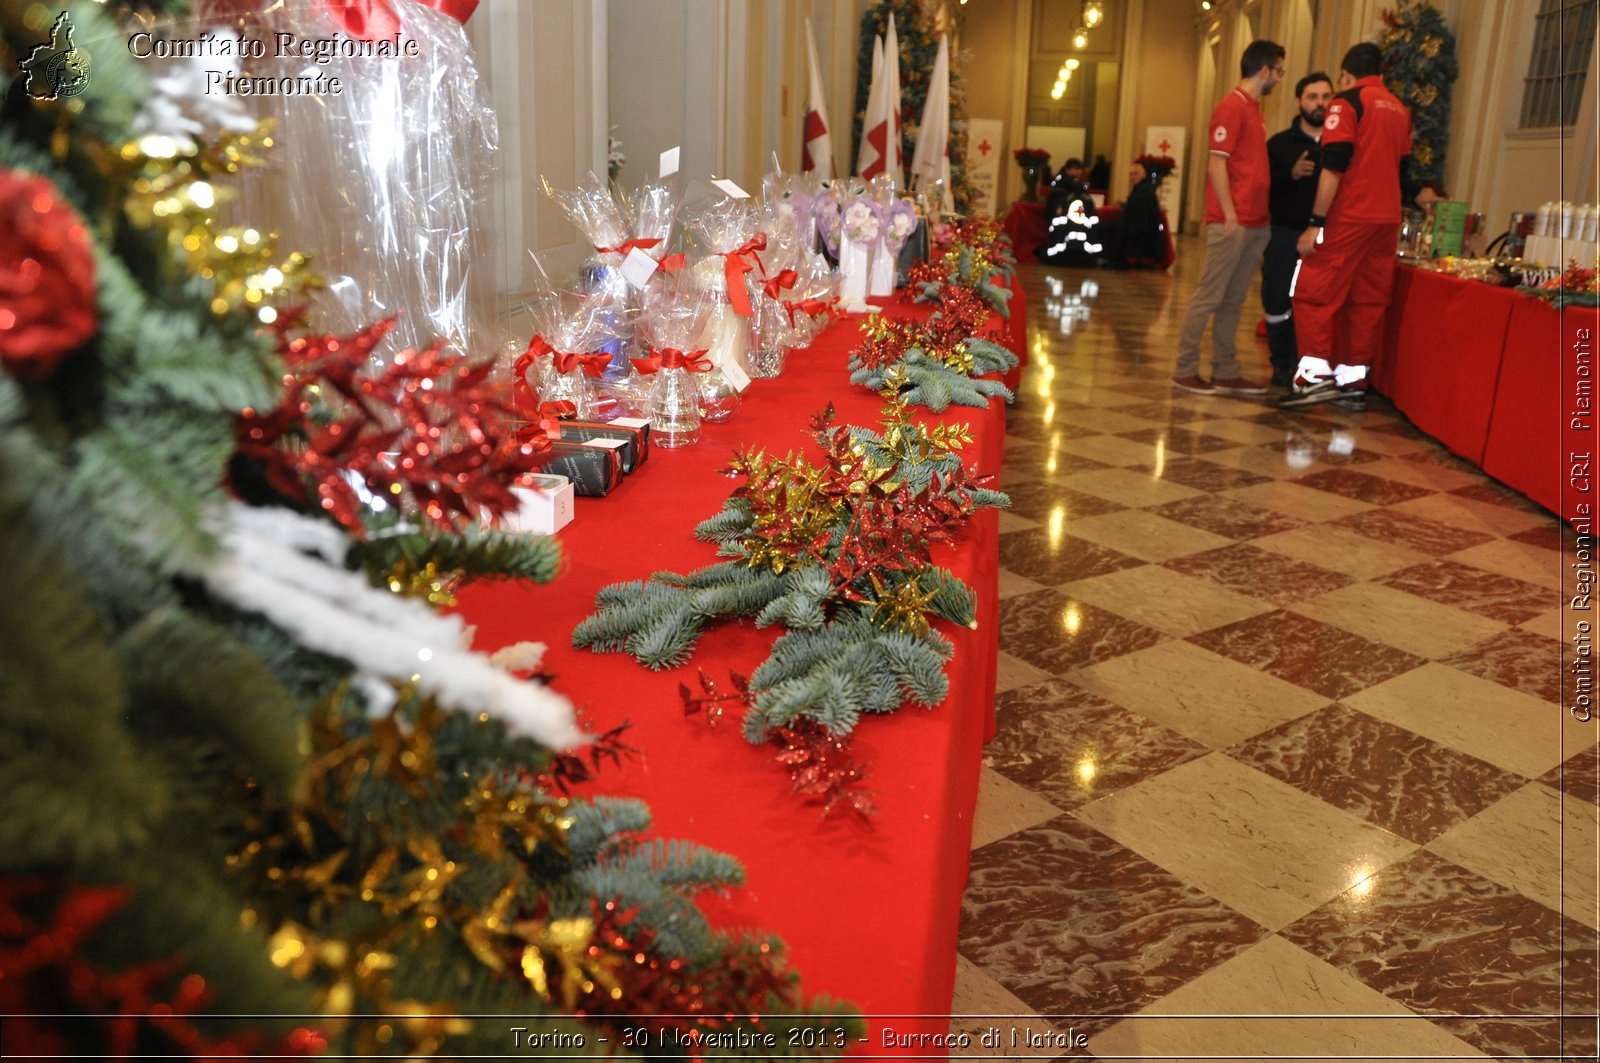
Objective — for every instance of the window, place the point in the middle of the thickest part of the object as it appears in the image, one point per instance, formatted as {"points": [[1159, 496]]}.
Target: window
{"points": [[1563, 40]]}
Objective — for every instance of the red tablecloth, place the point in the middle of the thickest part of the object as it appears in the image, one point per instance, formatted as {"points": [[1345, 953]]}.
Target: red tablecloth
{"points": [[869, 910], [1493, 374], [1443, 363], [1025, 224], [1532, 437]]}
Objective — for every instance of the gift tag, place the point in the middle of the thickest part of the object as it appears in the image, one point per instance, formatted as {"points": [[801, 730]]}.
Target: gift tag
{"points": [[736, 375], [638, 267], [669, 162], [730, 188]]}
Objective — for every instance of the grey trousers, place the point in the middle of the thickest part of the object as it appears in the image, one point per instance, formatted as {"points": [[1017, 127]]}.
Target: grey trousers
{"points": [[1231, 264]]}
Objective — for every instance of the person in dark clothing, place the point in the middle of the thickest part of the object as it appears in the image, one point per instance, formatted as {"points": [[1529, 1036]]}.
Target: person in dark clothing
{"points": [[1073, 238], [1294, 158], [1100, 174], [1138, 239]]}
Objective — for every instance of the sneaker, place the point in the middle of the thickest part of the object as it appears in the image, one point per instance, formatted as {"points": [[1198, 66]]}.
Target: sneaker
{"points": [[1310, 395], [1193, 385], [1237, 386]]}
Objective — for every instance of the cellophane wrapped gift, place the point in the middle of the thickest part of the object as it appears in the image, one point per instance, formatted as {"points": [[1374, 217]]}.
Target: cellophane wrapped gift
{"points": [[813, 301], [729, 232], [604, 224], [860, 229], [881, 264], [827, 216], [675, 317], [385, 182], [654, 213], [788, 208], [567, 357]]}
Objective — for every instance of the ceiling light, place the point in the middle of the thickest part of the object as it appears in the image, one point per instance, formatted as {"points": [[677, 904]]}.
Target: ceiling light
{"points": [[1080, 40], [1092, 15], [1071, 64]]}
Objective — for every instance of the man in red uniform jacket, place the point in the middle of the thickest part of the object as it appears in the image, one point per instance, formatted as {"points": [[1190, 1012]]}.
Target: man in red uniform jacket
{"points": [[1347, 250], [1237, 180]]}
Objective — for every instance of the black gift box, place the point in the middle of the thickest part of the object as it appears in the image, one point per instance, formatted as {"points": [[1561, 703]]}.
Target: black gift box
{"points": [[635, 441], [593, 470]]}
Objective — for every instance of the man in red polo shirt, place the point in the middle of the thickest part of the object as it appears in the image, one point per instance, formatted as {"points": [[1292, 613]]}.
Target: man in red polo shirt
{"points": [[1347, 250], [1237, 180]]}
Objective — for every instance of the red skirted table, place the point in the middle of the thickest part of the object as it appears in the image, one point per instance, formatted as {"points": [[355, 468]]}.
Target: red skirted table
{"points": [[1027, 226], [1495, 376], [869, 909]]}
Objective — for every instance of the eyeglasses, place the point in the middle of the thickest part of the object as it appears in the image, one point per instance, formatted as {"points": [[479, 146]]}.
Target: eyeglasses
{"points": [[1280, 70]]}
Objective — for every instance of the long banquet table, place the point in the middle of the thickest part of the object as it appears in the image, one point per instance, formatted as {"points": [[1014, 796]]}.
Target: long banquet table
{"points": [[869, 909], [1494, 375]]}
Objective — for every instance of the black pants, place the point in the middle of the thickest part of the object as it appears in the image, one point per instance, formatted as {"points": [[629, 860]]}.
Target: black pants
{"points": [[1277, 273]]}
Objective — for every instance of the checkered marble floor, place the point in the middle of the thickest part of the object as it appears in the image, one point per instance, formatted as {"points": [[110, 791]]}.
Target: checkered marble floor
{"points": [[1281, 766]]}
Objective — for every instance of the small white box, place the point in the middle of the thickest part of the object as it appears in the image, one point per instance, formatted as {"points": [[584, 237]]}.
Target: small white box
{"points": [[545, 508]]}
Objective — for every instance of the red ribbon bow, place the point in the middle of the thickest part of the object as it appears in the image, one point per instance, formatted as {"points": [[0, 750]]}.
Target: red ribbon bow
{"points": [[374, 20], [594, 363], [773, 285], [812, 306], [628, 245], [740, 261], [672, 358], [537, 348]]}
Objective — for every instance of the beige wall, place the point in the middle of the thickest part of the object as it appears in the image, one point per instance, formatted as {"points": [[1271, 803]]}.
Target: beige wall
{"points": [[543, 65], [994, 69], [1161, 66]]}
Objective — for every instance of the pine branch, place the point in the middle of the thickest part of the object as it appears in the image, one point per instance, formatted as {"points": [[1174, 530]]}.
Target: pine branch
{"points": [[473, 555], [178, 662]]}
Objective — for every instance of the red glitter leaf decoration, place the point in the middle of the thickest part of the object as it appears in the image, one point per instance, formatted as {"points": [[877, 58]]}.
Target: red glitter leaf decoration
{"points": [[428, 431]]}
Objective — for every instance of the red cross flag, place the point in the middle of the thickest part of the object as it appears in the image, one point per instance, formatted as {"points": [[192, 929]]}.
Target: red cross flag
{"points": [[817, 151]]}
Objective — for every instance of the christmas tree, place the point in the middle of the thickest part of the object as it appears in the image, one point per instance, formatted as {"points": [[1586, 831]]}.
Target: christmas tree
{"points": [[918, 33], [251, 770], [1419, 60]]}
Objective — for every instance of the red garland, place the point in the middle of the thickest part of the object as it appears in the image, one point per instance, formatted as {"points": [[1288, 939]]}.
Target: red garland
{"points": [[817, 760], [675, 996], [43, 971], [428, 428], [47, 276]]}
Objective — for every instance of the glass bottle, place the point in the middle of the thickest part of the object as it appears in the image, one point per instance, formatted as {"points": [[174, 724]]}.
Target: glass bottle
{"points": [[675, 408]]}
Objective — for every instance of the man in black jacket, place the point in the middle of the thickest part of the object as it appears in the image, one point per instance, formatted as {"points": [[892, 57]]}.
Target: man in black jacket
{"points": [[1295, 158]]}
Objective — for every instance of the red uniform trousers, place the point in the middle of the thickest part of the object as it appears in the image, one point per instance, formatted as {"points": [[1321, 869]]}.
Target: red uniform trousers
{"points": [[1342, 290]]}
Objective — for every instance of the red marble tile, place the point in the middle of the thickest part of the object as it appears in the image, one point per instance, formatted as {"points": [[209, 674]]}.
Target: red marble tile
{"points": [[1489, 594], [1032, 554], [1228, 517], [1261, 574], [1075, 924], [1385, 774], [1550, 536], [1034, 464], [1071, 746], [1040, 500], [1204, 475], [1363, 487], [1318, 448], [1420, 534], [1165, 412], [1308, 653], [1577, 776], [1055, 632], [1489, 491], [1517, 659], [1444, 941], [1442, 459], [1180, 440]]}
